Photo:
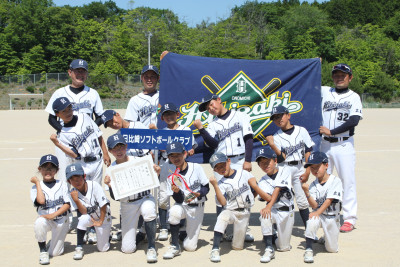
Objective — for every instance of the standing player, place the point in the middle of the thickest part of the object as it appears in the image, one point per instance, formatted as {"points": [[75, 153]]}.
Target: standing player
{"points": [[52, 202], [143, 106], [292, 144], [341, 112], [188, 205], [280, 209], [324, 196], [90, 201], [84, 100]]}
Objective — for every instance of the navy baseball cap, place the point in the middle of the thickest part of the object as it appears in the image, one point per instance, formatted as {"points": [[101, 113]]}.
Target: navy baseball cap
{"points": [[78, 64], [60, 104], [175, 147], [150, 67], [74, 169], [316, 157], [107, 116], [279, 110], [114, 140], [343, 68], [48, 158], [168, 107], [206, 100], [267, 153], [217, 158]]}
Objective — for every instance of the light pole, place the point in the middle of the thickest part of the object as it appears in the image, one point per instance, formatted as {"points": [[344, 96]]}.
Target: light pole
{"points": [[149, 34]]}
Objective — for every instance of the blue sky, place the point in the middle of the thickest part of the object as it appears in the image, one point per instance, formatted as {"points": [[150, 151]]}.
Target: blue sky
{"points": [[191, 11]]}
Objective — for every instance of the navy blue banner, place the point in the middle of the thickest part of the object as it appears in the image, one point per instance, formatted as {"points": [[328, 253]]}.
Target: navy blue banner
{"points": [[250, 86]]}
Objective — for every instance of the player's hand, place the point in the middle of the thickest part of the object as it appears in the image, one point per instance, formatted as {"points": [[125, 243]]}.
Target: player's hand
{"points": [[305, 187], [34, 180], [48, 216], [163, 54], [324, 131], [213, 180], [54, 139], [247, 166], [190, 152], [152, 126], [270, 139], [74, 195], [96, 223], [313, 214], [107, 180], [198, 124], [304, 177], [106, 159], [266, 212], [196, 195], [175, 188], [157, 169]]}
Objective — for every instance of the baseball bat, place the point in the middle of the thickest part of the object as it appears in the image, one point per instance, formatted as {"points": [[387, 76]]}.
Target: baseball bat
{"points": [[210, 84], [271, 86]]}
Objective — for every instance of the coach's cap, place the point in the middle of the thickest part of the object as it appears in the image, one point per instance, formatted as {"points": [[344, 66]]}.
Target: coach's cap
{"points": [[48, 158], [266, 152], [150, 67], [316, 157], [279, 110], [343, 68], [60, 104], [217, 158], [114, 140], [168, 107], [175, 147], [78, 64], [206, 100], [74, 169], [107, 116]]}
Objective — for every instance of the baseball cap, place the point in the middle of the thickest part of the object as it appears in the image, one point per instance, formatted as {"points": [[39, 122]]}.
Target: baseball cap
{"points": [[267, 153], [279, 110], [107, 116], [316, 157], [206, 100], [343, 68], [79, 63], [175, 147], [74, 169], [49, 158], [168, 107], [217, 158], [150, 67], [114, 140], [60, 104]]}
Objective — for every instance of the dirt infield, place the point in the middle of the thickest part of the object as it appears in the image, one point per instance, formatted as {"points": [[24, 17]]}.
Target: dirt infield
{"points": [[24, 138]]}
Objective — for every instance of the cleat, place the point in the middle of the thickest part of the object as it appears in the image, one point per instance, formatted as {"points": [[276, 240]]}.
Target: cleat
{"points": [[214, 255], [346, 227], [171, 253], [78, 255], [269, 254], [309, 256], [92, 238], [151, 255], [163, 235], [44, 258]]}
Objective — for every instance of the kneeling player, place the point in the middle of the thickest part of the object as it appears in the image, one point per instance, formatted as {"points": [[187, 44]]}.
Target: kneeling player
{"points": [[93, 208], [324, 196], [279, 210], [233, 192]]}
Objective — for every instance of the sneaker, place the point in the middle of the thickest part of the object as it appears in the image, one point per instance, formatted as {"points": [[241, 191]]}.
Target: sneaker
{"points": [[346, 227], [85, 238], [228, 238], [92, 238], [214, 255], [44, 258], [182, 235], [269, 254], [172, 252], [140, 237], [309, 256], [321, 240], [163, 235], [249, 238], [117, 236], [151, 255], [78, 255]]}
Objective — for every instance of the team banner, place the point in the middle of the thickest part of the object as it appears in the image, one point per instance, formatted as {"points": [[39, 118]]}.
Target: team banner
{"points": [[250, 86]]}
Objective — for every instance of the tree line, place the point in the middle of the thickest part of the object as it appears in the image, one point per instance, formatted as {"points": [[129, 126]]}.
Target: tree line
{"points": [[36, 36]]}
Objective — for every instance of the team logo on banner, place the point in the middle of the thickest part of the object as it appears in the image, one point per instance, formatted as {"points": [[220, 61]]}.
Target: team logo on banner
{"points": [[242, 94]]}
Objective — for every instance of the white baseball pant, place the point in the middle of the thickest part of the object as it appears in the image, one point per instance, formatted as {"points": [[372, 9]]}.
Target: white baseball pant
{"points": [[59, 230], [296, 172], [102, 232], [93, 170], [331, 225]]}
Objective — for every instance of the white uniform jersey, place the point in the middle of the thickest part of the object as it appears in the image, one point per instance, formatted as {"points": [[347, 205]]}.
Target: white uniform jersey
{"points": [[55, 198], [136, 152], [143, 108], [87, 101], [93, 200], [180, 128], [237, 190], [195, 177], [283, 179], [230, 132], [331, 189], [134, 196], [83, 137], [293, 145], [338, 108]]}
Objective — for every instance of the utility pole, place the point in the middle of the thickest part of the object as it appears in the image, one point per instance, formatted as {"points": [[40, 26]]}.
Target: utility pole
{"points": [[149, 34]]}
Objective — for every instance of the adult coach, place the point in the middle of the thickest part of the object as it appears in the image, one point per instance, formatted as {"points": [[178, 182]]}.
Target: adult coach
{"points": [[143, 106], [84, 100], [341, 112]]}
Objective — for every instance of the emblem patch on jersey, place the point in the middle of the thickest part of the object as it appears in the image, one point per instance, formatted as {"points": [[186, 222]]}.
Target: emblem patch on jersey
{"points": [[82, 105], [81, 138], [328, 105]]}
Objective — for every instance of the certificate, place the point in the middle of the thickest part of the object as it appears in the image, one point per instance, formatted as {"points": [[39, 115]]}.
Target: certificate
{"points": [[132, 177]]}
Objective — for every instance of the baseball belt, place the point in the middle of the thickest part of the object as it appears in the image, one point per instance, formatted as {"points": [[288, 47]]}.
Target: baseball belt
{"points": [[241, 209], [196, 204], [234, 156], [91, 158], [294, 162], [335, 139], [286, 208]]}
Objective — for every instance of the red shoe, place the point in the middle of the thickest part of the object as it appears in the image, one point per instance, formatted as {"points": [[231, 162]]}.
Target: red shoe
{"points": [[346, 227]]}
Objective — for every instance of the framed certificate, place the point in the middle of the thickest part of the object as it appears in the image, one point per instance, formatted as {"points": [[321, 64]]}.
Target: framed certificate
{"points": [[134, 176]]}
